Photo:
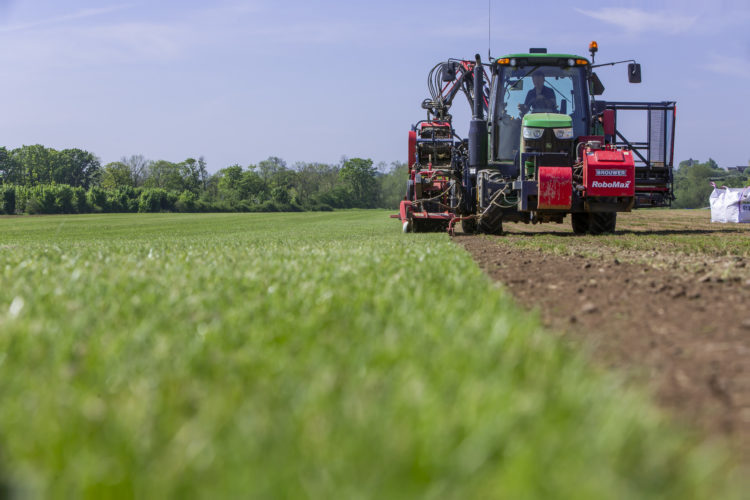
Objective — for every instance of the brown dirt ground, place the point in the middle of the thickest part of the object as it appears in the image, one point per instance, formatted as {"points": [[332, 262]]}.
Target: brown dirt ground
{"points": [[685, 330]]}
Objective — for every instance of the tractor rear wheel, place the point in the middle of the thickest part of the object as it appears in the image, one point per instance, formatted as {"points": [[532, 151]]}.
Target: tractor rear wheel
{"points": [[580, 222], [603, 222], [469, 226]]}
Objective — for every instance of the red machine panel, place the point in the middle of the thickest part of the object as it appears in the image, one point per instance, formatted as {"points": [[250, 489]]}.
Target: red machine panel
{"points": [[609, 172], [412, 148], [555, 188]]}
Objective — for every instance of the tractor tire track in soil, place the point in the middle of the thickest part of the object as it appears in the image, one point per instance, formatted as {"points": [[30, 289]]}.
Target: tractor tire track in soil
{"points": [[686, 334]]}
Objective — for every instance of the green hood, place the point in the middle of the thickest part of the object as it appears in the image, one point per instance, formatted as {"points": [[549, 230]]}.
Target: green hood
{"points": [[547, 120]]}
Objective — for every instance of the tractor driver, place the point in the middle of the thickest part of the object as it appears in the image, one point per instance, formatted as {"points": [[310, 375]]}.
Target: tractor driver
{"points": [[540, 99]]}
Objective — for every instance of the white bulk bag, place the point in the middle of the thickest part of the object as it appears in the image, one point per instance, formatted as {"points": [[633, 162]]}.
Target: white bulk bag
{"points": [[716, 200], [730, 204]]}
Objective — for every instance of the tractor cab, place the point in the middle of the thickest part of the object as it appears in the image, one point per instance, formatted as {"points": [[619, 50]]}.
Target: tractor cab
{"points": [[538, 103]]}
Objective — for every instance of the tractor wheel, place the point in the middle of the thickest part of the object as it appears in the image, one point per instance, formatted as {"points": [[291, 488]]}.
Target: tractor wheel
{"points": [[491, 226], [469, 226], [603, 222], [580, 222]]}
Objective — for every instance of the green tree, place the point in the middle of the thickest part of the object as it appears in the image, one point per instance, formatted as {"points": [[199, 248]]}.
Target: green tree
{"points": [[269, 167], [165, 175], [313, 179], [139, 168], [280, 195], [76, 167], [692, 183], [236, 184], [252, 187], [203, 175], [190, 171], [115, 175], [35, 164], [229, 185], [357, 176], [393, 185], [274, 173], [9, 172]]}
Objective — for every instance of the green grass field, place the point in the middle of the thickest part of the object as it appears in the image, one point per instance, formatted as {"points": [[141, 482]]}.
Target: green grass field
{"points": [[301, 355]]}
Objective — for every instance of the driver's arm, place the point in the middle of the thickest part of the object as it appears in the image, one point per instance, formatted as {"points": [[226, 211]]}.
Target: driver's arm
{"points": [[524, 108]]}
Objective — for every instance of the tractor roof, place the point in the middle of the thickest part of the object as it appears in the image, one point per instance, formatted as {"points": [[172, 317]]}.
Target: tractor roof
{"points": [[543, 56]]}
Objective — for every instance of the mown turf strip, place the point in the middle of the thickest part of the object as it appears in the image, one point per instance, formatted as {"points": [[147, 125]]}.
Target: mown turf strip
{"points": [[300, 355]]}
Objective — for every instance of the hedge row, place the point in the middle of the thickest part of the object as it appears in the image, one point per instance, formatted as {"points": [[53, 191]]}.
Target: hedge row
{"points": [[64, 199]]}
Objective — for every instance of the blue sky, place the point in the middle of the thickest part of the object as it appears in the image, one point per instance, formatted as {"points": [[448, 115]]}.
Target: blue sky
{"points": [[238, 81]]}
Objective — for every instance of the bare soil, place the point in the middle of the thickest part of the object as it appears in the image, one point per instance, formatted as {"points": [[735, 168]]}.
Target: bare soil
{"points": [[676, 318]]}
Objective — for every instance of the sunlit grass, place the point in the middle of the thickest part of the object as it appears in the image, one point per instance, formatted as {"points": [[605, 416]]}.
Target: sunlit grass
{"points": [[300, 355]]}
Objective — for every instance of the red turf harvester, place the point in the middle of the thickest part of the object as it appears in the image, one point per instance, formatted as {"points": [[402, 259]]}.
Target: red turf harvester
{"points": [[547, 148]]}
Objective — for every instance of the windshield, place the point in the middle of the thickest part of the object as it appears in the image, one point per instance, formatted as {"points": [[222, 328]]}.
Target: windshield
{"points": [[535, 89]]}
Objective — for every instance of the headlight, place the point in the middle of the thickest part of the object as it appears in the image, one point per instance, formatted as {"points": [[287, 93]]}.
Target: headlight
{"points": [[564, 133], [534, 133]]}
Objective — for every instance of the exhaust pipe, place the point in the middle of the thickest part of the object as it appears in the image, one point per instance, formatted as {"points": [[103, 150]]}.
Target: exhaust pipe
{"points": [[478, 125], [478, 89]]}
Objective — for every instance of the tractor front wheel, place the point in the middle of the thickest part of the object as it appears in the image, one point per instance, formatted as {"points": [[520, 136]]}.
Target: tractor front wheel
{"points": [[603, 222], [580, 222]]}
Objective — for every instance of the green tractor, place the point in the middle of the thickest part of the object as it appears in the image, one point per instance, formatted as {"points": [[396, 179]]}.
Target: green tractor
{"points": [[540, 146]]}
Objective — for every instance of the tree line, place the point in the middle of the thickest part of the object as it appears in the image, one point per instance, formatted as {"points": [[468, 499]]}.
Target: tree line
{"points": [[37, 179]]}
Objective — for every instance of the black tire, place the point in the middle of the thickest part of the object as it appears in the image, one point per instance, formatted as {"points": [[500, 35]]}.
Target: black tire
{"points": [[410, 190], [491, 225], [580, 222], [469, 226], [602, 222]]}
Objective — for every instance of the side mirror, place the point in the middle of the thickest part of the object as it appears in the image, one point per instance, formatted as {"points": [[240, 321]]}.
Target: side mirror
{"points": [[517, 85], [449, 72], [634, 73], [564, 107], [597, 88]]}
